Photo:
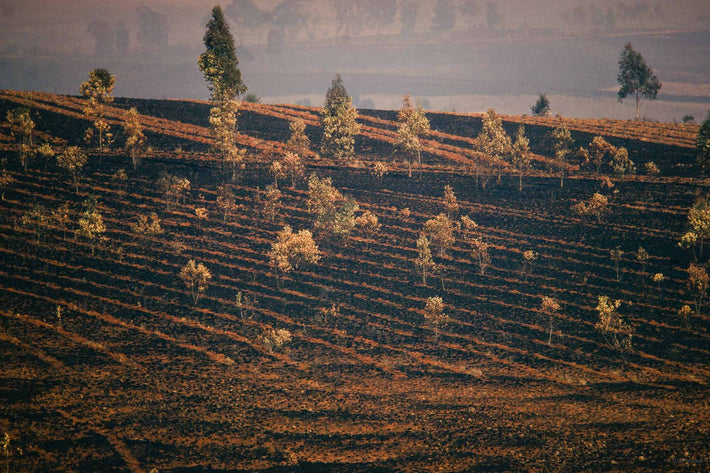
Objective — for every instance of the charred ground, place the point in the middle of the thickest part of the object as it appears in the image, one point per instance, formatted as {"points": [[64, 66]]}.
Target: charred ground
{"points": [[134, 376]]}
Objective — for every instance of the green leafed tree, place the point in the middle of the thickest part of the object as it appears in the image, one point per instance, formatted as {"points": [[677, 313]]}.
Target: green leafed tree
{"points": [[219, 62], [636, 78], [97, 91], [339, 121], [541, 108]]}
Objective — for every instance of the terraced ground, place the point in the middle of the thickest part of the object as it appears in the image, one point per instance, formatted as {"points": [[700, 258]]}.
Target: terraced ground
{"points": [[133, 376]]}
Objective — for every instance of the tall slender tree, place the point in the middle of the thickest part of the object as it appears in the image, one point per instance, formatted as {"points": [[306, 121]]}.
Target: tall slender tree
{"points": [[493, 140], [219, 62], [636, 78], [339, 120], [135, 139], [413, 126], [561, 145], [21, 126], [97, 90], [519, 156], [703, 144]]}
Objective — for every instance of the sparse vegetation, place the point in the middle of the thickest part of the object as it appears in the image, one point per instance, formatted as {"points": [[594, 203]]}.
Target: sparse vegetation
{"points": [[355, 312], [6, 180]]}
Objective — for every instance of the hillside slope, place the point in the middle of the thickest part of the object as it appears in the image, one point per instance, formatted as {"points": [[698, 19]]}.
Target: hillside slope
{"points": [[132, 375]]}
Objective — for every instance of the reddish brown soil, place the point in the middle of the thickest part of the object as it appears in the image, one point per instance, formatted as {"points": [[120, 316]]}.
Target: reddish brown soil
{"points": [[134, 376]]}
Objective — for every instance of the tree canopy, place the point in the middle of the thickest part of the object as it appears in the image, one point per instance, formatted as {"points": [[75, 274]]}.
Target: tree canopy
{"points": [[219, 61], [339, 120], [541, 107], [636, 78]]}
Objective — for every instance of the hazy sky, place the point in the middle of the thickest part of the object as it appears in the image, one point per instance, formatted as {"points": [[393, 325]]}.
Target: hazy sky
{"points": [[455, 54]]}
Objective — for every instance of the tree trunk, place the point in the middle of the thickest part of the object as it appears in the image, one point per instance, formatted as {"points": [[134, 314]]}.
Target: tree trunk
{"points": [[520, 182], [638, 103], [549, 339]]}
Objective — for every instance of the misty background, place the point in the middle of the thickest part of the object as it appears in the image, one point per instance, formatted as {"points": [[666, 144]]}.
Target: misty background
{"points": [[462, 55]]}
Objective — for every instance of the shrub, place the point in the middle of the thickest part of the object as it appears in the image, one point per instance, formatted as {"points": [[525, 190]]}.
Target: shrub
{"points": [[195, 276], [275, 340], [148, 225], [440, 231], [434, 313], [616, 331]]}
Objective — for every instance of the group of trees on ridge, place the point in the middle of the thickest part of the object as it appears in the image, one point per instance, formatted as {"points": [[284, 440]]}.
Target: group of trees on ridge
{"points": [[334, 215]]}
